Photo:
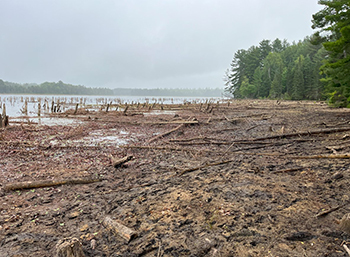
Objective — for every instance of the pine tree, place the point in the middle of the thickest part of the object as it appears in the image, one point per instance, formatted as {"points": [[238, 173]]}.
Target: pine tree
{"points": [[334, 22]]}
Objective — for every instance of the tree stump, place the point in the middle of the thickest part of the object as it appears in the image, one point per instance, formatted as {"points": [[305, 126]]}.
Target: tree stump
{"points": [[69, 247], [345, 223]]}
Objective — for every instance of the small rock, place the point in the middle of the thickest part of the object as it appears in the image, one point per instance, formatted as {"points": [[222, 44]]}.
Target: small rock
{"points": [[73, 215], [337, 176], [93, 244], [84, 228]]}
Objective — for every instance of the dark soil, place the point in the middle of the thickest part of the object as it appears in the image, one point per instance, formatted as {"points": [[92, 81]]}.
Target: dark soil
{"points": [[238, 183]]}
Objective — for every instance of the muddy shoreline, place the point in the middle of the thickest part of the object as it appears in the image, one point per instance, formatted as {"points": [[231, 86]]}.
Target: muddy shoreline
{"points": [[242, 178]]}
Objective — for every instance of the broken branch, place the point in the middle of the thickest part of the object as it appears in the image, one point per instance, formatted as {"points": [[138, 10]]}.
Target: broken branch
{"points": [[326, 212], [165, 133]]}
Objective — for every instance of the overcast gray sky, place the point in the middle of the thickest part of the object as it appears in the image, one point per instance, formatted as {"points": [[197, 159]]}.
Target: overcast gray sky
{"points": [[139, 44]]}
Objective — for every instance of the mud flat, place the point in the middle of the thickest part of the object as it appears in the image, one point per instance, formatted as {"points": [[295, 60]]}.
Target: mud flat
{"points": [[241, 178]]}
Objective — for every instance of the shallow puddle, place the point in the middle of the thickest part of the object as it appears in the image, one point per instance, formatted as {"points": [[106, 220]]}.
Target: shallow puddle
{"points": [[159, 112], [48, 121]]}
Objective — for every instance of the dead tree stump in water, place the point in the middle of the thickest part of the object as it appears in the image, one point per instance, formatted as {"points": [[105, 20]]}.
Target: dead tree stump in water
{"points": [[69, 247]]}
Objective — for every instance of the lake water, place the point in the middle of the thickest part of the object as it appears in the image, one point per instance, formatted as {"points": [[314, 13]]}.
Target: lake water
{"points": [[29, 106]]}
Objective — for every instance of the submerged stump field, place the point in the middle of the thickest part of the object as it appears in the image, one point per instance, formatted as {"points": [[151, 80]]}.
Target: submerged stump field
{"points": [[235, 178]]}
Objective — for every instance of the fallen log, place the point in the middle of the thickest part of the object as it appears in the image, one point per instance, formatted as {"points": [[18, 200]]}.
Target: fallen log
{"points": [[49, 183], [119, 162], [118, 229], [162, 148], [330, 156], [306, 133], [172, 122], [165, 133]]}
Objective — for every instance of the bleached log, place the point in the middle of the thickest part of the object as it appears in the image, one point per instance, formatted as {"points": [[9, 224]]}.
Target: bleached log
{"points": [[48, 183]]}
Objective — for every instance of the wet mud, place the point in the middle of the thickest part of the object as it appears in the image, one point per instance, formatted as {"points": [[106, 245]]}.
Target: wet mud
{"points": [[240, 178]]}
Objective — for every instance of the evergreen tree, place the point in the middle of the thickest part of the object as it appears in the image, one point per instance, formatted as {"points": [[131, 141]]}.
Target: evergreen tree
{"points": [[334, 24], [298, 89]]}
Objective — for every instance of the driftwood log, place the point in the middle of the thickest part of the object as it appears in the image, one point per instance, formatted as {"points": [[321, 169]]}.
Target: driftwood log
{"points": [[48, 183], [118, 229], [69, 247]]}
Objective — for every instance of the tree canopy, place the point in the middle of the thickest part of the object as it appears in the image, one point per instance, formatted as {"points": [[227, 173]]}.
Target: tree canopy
{"points": [[333, 24], [317, 67], [277, 70]]}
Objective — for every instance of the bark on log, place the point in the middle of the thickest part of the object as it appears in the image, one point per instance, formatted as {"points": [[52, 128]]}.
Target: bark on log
{"points": [[118, 229], [119, 162], [48, 183], [69, 247]]}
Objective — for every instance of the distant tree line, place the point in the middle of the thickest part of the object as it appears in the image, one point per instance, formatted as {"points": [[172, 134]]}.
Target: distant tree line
{"points": [[277, 70], [51, 88], [170, 92], [315, 68], [60, 88]]}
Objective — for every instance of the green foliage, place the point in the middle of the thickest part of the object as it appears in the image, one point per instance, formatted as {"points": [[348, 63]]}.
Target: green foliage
{"points": [[336, 99], [277, 70], [247, 90], [333, 22]]}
